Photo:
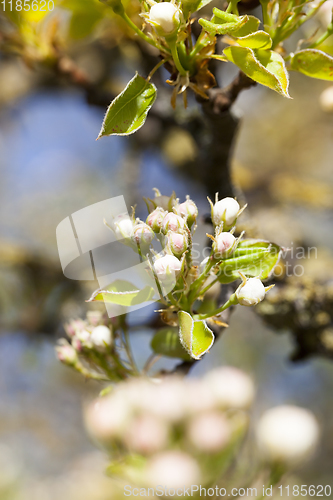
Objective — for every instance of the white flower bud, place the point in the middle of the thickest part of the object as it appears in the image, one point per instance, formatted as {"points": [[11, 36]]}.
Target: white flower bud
{"points": [[147, 434], [143, 234], [107, 418], [172, 222], [177, 243], [123, 226], [326, 100], [209, 432], [287, 434], [225, 211], [167, 267], [101, 337], [231, 387], [155, 219], [224, 245], [66, 354], [165, 17], [250, 292], [174, 469], [189, 210]]}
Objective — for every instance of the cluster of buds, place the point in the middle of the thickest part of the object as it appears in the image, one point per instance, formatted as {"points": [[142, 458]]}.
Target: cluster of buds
{"points": [[178, 426]]}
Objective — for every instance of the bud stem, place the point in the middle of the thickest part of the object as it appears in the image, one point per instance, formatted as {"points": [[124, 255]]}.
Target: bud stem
{"points": [[231, 302], [174, 52], [141, 34]]}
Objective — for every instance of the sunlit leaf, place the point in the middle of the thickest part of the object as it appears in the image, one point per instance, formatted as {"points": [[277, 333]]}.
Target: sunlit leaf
{"points": [[195, 336], [252, 25], [128, 111], [217, 27], [123, 293], [263, 66], [313, 63], [166, 342], [257, 40]]}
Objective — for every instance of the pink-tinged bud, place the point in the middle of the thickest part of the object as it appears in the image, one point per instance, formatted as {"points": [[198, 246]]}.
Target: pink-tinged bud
{"points": [[167, 267], [101, 338], [177, 243], [173, 222], [209, 432], [155, 219], [224, 245], [225, 211], [67, 354], [143, 234], [147, 434], [189, 211]]}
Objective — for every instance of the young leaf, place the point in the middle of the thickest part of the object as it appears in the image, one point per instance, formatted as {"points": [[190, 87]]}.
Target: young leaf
{"points": [[263, 66], [193, 6], [257, 40], [251, 26], [166, 342], [313, 63], [128, 111], [195, 336], [219, 27], [123, 293]]}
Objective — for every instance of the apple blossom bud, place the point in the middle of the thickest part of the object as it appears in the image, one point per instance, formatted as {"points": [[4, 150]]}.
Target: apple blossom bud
{"points": [[165, 17], [167, 267], [231, 387], [101, 337], [67, 354], [155, 219], [123, 227], [189, 211], [326, 100], [209, 432], [177, 243], [287, 434], [172, 222], [147, 434], [143, 234], [174, 469], [250, 292], [224, 245], [225, 211]]}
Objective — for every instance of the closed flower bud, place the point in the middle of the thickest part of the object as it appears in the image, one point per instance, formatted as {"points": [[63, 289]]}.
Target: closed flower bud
{"points": [[326, 100], [67, 354], [251, 292], [231, 388], [209, 432], [143, 234], [101, 337], [174, 469], [173, 222], [165, 17], [189, 211], [155, 219], [287, 434], [147, 434], [226, 211], [167, 267], [177, 243], [123, 227], [224, 245]]}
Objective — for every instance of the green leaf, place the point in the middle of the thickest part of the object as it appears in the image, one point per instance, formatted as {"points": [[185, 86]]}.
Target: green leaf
{"points": [[217, 27], [253, 258], [263, 66], [166, 342], [195, 336], [193, 6], [128, 111], [257, 40], [123, 293], [251, 26], [313, 63]]}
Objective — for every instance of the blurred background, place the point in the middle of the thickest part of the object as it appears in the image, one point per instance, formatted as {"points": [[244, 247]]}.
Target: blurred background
{"points": [[51, 109]]}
